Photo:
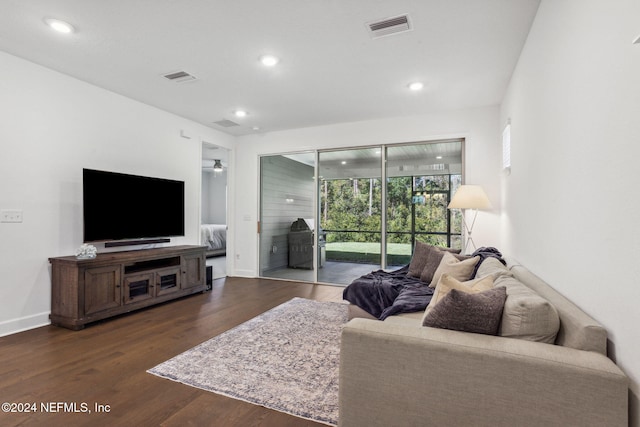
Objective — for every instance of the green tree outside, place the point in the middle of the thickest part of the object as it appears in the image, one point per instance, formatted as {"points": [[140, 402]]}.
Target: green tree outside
{"points": [[352, 207]]}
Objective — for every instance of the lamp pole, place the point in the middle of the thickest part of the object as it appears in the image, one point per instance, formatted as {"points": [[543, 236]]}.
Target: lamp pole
{"points": [[470, 197], [469, 229]]}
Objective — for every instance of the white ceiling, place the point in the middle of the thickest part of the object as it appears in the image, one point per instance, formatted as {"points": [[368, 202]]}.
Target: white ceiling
{"points": [[331, 69]]}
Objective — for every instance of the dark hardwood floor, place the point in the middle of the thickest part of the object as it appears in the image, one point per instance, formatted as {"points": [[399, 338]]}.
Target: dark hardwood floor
{"points": [[106, 363]]}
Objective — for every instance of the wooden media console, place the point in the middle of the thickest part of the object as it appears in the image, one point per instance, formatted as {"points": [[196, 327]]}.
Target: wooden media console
{"points": [[87, 290]]}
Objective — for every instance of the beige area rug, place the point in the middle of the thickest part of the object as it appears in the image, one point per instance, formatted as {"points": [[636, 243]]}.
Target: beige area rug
{"points": [[284, 359]]}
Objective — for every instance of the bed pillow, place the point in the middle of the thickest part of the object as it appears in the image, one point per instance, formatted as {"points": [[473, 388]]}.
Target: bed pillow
{"points": [[422, 254], [460, 270], [478, 313], [448, 283]]}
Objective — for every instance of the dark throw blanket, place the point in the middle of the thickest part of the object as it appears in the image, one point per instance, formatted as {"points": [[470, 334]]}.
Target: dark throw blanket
{"points": [[382, 293], [485, 253]]}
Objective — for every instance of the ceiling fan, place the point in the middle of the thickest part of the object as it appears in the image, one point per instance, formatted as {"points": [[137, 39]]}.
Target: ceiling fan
{"points": [[213, 164]]}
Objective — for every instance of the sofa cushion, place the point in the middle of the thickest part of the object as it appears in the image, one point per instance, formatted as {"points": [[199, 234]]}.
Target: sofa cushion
{"points": [[577, 329], [492, 266], [447, 283], [469, 312], [526, 314], [419, 259], [434, 259], [425, 255], [357, 312], [460, 270]]}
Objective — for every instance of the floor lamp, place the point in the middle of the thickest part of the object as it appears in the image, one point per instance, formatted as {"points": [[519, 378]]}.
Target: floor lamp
{"points": [[469, 197]]}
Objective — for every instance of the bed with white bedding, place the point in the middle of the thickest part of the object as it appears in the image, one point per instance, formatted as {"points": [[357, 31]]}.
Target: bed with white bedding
{"points": [[214, 237]]}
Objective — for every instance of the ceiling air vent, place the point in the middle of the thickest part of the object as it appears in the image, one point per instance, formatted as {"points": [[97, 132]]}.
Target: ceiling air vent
{"points": [[225, 123], [179, 76], [388, 26]]}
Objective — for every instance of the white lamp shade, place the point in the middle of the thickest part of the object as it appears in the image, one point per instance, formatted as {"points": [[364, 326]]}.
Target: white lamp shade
{"points": [[470, 197]]}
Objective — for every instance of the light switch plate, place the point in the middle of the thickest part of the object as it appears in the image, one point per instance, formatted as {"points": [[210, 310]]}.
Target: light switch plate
{"points": [[10, 215]]}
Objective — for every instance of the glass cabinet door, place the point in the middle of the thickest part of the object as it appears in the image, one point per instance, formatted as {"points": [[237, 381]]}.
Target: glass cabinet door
{"points": [[138, 287], [167, 281]]}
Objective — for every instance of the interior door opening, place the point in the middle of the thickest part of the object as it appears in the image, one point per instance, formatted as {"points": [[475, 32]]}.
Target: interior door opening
{"points": [[213, 216]]}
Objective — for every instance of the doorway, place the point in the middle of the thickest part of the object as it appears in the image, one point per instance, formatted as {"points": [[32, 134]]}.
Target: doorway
{"points": [[350, 212], [287, 220], [213, 215]]}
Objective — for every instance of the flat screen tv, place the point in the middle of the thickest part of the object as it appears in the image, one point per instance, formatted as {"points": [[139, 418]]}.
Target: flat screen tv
{"points": [[119, 207]]}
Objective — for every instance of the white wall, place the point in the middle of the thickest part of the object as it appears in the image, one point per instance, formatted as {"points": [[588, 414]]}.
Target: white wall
{"points": [[51, 127], [480, 127], [569, 205]]}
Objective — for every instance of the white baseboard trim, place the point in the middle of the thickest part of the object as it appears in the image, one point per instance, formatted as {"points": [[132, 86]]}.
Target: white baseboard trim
{"points": [[13, 326], [243, 273]]}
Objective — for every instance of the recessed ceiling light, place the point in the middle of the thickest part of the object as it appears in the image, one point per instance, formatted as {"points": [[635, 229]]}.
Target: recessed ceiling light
{"points": [[59, 26], [256, 128], [416, 86], [439, 157], [343, 162], [637, 40], [269, 60], [240, 113]]}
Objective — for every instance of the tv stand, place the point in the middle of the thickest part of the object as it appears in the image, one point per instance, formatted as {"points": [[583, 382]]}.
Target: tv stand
{"points": [[87, 290]]}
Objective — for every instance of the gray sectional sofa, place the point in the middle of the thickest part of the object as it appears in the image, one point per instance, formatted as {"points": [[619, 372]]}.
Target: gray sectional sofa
{"points": [[399, 373]]}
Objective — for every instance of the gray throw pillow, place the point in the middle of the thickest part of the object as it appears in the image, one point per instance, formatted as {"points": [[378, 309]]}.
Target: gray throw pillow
{"points": [[460, 311], [433, 261], [419, 259], [426, 259]]}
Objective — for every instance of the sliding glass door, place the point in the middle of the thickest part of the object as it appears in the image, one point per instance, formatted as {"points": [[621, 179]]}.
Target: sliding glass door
{"points": [[287, 216], [350, 212], [421, 179], [332, 216]]}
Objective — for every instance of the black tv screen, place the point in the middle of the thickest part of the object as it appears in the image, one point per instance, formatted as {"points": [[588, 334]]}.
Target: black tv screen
{"points": [[118, 206]]}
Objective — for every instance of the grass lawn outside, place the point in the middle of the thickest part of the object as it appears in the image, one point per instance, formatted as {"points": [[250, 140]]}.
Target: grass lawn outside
{"points": [[368, 252], [369, 247]]}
